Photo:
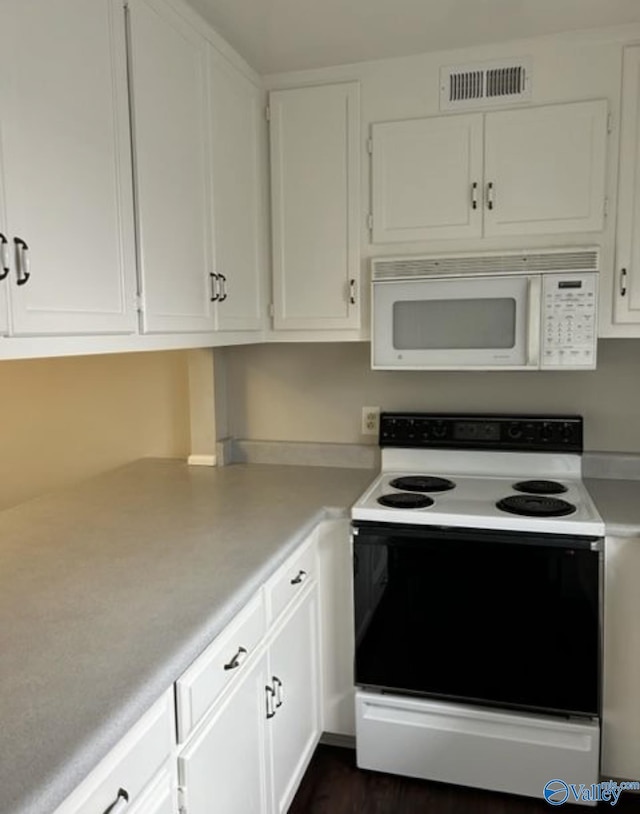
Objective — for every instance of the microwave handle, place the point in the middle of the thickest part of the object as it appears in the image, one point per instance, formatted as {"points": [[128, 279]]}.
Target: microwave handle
{"points": [[534, 328]]}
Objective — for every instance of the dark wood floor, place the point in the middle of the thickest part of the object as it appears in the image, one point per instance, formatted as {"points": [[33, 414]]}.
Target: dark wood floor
{"points": [[334, 785]]}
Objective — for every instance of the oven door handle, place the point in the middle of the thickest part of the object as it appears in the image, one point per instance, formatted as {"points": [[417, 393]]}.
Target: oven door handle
{"points": [[381, 532]]}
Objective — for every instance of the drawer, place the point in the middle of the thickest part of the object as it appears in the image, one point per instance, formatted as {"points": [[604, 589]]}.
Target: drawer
{"points": [[118, 780], [291, 578], [199, 687]]}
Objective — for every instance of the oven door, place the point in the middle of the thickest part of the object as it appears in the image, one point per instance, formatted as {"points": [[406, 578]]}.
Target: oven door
{"points": [[456, 323], [500, 618]]}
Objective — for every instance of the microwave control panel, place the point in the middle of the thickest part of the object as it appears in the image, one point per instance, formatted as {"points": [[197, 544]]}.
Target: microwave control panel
{"points": [[569, 320]]}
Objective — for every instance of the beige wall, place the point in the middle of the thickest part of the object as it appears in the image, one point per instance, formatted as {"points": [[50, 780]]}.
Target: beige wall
{"points": [[66, 419], [312, 392]]}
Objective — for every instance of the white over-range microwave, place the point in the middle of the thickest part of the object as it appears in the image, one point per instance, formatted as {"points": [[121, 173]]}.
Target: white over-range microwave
{"points": [[508, 311]]}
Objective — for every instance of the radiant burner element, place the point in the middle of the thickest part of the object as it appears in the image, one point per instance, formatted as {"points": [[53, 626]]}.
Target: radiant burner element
{"points": [[535, 506], [540, 487], [423, 483], [405, 500]]}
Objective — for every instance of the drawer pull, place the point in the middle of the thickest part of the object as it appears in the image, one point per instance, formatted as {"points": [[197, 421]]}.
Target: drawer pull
{"points": [[237, 660], [278, 691], [300, 577], [119, 804]]}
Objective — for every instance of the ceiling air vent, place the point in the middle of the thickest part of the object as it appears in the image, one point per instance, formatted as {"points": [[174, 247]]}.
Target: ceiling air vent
{"points": [[485, 85]]}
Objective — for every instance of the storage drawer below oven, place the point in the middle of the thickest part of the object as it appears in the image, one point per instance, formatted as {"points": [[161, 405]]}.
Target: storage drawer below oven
{"points": [[473, 746]]}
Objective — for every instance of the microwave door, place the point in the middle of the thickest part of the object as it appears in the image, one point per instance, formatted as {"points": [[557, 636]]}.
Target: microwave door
{"points": [[454, 323]]}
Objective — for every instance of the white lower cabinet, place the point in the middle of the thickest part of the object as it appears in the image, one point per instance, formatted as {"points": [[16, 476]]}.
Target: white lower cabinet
{"points": [[248, 715], [250, 749], [294, 729], [138, 775], [224, 767]]}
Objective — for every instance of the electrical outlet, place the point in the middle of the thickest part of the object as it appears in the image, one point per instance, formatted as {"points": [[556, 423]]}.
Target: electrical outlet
{"points": [[370, 420]]}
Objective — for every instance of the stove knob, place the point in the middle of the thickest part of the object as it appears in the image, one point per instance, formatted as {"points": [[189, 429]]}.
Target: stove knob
{"points": [[514, 431], [566, 433], [546, 433], [439, 430], [529, 432]]}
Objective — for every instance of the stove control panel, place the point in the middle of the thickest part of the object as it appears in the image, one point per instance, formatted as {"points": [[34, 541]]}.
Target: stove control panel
{"points": [[522, 433]]}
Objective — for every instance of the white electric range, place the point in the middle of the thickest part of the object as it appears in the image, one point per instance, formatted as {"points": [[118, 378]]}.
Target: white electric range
{"points": [[477, 585]]}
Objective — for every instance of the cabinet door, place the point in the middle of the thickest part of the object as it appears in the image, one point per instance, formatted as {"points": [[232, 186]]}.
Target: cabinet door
{"points": [[315, 193], [627, 290], [427, 178], [223, 769], [545, 169], [67, 168], [5, 253], [168, 72], [236, 122], [294, 731]]}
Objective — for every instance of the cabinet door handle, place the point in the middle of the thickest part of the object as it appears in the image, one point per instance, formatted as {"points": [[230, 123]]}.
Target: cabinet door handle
{"points": [[299, 577], [278, 691], [4, 256], [474, 195], [22, 261], [270, 695], [352, 291], [223, 287], [490, 200], [213, 278], [237, 660], [119, 804], [623, 282]]}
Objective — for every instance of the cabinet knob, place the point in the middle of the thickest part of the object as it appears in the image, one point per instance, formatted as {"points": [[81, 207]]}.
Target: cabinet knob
{"points": [[623, 282], [474, 195], [352, 291], [215, 296], [119, 804], [4, 256], [299, 577], [269, 696], [277, 691], [490, 200], [22, 261], [237, 660], [223, 286]]}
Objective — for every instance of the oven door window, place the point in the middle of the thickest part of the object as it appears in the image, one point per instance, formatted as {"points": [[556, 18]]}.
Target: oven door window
{"points": [[478, 616]]}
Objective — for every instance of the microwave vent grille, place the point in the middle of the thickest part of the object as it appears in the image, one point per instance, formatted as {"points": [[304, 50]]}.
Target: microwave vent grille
{"points": [[393, 269]]}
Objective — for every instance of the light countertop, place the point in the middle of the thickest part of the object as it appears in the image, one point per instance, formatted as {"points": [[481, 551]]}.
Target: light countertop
{"points": [[618, 502], [109, 590]]}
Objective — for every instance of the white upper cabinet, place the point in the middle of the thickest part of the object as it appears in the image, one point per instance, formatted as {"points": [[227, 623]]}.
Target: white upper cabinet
{"points": [[627, 282], [530, 171], [427, 178], [315, 148], [5, 261], [172, 169], [237, 116], [545, 169], [66, 167]]}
